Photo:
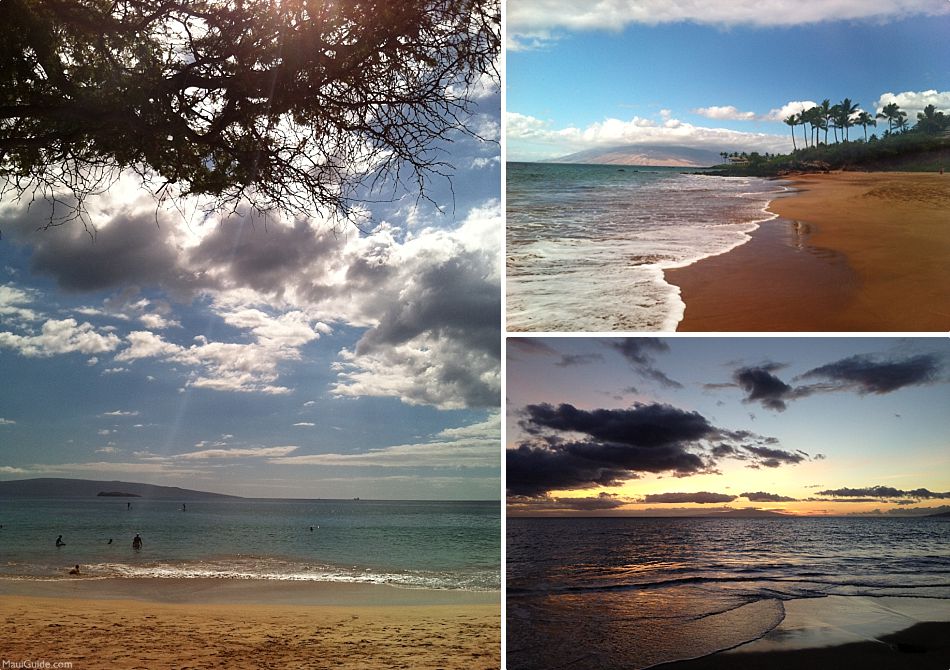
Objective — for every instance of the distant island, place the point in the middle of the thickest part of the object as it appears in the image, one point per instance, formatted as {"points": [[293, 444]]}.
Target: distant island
{"points": [[643, 155], [51, 487], [748, 514]]}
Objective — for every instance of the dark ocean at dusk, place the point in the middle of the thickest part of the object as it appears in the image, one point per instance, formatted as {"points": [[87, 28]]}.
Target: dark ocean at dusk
{"points": [[635, 592]]}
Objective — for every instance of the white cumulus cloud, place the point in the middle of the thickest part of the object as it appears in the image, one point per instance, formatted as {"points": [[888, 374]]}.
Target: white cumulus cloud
{"points": [[534, 24], [789, 108], [235, 452], [60, 336], [914, 102], [725, 113]]}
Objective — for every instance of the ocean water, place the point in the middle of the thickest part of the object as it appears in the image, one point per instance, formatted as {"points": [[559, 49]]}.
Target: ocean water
{"points": [[587, 244], [424, 544], [630, 593]]}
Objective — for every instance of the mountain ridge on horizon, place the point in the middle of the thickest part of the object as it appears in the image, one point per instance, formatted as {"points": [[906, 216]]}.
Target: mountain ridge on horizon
{"points": [[63, 487], [643, 154]]}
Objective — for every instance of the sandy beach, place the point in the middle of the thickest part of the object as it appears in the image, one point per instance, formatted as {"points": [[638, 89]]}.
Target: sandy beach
{"points": [[850, 252], [128, 623]]}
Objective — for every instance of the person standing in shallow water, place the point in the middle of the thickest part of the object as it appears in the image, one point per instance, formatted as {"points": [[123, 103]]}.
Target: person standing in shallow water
{"points": [[59, 541], [137, 541]]}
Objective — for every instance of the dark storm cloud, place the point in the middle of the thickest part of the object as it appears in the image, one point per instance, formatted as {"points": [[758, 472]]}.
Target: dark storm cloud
{"points": [[772, 458], [843, 500], [533, 471], [862, 374], [454, 299], [248, 253], [141, 250], [639, 352], [721, 450], [764, 387], [865, 374], [623, 443], [877, 493], [457, 304], [702, 497], [601, 501], [568, 360], [642, 425], [135, 251], [762, 496]]}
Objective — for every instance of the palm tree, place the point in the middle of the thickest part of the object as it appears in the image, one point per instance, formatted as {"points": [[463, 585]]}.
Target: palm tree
{"points": [[835, 113], [820, 124], [847, 109], [902, 122], [812, 117], [791, 122], [931, 121], [891, 112], [864, 119], [825, 108], [930, 112]]}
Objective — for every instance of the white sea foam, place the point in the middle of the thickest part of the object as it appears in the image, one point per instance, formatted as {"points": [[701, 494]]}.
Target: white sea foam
{"points": [[587, 246], [269, 569]]}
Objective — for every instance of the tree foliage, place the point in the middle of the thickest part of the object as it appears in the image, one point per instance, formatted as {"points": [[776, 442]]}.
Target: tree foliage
{"points": [[286, 104]]}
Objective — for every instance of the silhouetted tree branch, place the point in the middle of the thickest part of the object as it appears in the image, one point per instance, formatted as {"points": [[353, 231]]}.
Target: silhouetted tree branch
{"points": [[290, 105]]}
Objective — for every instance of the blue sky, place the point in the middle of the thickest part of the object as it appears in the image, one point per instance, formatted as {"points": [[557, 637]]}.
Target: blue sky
{"points": [[581, 75], [795, 418], [278, 358]]}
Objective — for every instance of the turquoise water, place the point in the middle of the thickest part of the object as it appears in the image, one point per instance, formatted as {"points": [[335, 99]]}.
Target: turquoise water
{"points": [[428, 544], [629, 593], [587, 244]]}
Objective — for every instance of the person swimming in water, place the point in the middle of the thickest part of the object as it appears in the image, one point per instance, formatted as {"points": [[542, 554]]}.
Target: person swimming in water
{"points": [[59, 541], [137, 542]]}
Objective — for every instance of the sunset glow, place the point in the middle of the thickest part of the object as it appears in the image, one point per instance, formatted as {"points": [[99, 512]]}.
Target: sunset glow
{"points": [[692, 426]]}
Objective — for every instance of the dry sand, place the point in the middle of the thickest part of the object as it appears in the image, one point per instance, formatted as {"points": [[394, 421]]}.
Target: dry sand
{"points": [[851, 252], [105, 624]]}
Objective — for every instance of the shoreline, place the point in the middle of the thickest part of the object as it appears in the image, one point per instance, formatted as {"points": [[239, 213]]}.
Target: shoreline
{"points": [[847, 252], [210, 590], [922, 646], [871, 632], [137, 623]]}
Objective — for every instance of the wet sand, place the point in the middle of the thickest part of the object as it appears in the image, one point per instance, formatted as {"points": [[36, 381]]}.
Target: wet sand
{"points": [[850, 252], [924, 646], [871, 633], [152, 624]]}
